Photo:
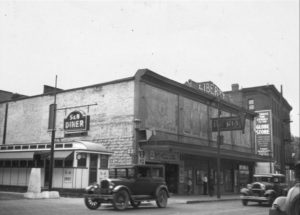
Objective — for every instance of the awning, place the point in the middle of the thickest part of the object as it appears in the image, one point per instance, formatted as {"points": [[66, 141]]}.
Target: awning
{"points": [[16, 156], [62, 154]]}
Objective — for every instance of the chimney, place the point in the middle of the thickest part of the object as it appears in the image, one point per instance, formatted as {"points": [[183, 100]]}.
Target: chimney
{"points": [[235, 87]]}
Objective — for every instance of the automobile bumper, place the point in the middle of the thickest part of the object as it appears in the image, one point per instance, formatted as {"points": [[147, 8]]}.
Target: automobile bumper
{"points": [[99, 196], [274, 211], [255, 198]]}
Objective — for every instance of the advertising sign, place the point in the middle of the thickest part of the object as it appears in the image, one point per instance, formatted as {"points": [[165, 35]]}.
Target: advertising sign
{"points": [[228, 123], [206, 87], [76, 121], [263, 132]]}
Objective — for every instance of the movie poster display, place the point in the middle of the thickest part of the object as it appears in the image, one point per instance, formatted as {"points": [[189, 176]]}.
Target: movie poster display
{"points": [[263, 132]]}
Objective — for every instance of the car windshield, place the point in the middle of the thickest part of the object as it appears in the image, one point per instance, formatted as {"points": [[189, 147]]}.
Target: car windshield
{"points": [[121, 173], [269, 179]]}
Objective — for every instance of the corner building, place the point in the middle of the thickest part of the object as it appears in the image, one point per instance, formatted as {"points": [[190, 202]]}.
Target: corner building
{"points": [[146, 118]]}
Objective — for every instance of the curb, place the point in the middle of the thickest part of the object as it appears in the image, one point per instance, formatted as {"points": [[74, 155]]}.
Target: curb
{"points": [[210, 200]]}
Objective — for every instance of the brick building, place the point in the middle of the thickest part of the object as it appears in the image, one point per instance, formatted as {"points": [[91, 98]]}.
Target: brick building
{"points": [[146, 118], [267, 100]]}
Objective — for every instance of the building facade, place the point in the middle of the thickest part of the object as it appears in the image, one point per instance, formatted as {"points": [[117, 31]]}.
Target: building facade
{"points": [[146, 118], [273, 136]]}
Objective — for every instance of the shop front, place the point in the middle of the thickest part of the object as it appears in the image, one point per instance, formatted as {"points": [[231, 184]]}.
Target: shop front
{"points": [[76, 164]]}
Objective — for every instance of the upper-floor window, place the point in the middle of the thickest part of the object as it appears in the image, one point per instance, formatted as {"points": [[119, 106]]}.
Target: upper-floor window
{"points": [[251, 105]]}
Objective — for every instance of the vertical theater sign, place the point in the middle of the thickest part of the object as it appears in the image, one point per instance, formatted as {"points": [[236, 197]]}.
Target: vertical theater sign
{"points": [[263, 133]]}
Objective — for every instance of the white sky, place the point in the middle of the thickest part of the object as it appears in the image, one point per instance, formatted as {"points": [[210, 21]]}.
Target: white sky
{"points": [[250, 42]]}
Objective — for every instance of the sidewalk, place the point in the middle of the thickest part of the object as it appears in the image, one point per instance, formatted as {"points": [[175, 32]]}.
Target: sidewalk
{"points": [[177, 199], [190, 199]]}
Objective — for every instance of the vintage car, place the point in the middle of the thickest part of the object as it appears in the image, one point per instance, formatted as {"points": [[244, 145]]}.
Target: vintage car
{"points": [[289, 205], [129, 184], [265, 189]]}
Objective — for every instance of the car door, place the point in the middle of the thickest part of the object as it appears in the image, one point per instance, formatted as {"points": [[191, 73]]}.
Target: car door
{"points": [[143, 182]]}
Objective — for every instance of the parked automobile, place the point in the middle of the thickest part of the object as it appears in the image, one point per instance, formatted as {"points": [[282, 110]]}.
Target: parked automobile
{"points": [[129, 184], [265, 189], [289, 205]]}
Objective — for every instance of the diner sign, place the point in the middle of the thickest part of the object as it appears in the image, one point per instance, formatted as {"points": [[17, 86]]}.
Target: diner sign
{"points": [[206, 87], [76, 121]]}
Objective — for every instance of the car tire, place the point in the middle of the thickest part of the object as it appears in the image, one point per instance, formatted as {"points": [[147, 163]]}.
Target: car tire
{"points": [[92, 203], [162, 198], [120, 200], [245, 202], [135, 204], [271, 199]]}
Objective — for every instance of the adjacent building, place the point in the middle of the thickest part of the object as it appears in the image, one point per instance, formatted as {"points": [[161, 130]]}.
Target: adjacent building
{"points": [[272, 125], [147, 118]]}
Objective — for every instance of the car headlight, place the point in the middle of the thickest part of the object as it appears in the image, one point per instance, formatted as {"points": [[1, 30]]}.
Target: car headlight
{"points": [[111, 185], [249, 186]]}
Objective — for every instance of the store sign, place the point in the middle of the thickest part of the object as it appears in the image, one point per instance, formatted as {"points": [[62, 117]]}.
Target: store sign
{"points": [[163, 156], [206, 87], [76, 121], [263, 132], [228, 123]]}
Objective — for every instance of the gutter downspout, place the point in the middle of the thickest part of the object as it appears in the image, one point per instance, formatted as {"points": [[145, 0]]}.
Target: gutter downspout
{"points": [[5, 124]]}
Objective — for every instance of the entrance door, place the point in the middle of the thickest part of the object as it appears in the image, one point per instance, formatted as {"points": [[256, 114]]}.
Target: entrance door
{"points": [[93, 168], [172, 177]]}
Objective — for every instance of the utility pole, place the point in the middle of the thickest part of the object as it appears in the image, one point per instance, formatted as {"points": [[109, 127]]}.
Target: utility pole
{"points": [[218, 151], [52, 138]]}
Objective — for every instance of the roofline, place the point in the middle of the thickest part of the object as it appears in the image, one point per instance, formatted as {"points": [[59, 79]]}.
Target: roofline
{"points": [[148, 75], [269, 86], [73, 89]]}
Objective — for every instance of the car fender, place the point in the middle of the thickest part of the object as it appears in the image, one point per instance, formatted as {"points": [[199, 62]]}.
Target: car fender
{"points": [[245, 191], [162, 187], [270, 192], [120, 187]]}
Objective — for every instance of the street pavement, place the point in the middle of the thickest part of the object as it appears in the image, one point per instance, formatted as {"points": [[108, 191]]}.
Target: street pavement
{"points": [[180, 199], [15, 204]]}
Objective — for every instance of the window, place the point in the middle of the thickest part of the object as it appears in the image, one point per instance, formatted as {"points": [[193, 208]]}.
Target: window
{"points": [[31, 163], [23, 163], [15, 163], [251, 104], [68, 163], [103, 161], [40, 163], [58, 163], [81, 162]]}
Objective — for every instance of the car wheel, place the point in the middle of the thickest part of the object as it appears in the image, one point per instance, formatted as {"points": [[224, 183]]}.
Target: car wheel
{"points": [[92, 203], [245, 202], [162, 199], [271, 199], [120, 200], [135, 204]]}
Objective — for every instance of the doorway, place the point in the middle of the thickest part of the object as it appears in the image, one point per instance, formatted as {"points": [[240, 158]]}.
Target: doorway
{"points": [[172, 177], [93, 168]]}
